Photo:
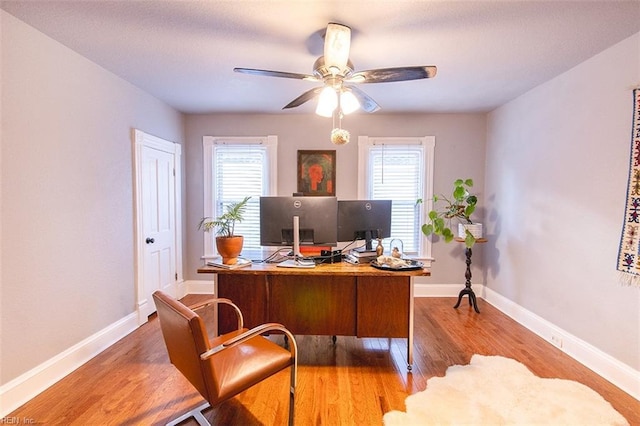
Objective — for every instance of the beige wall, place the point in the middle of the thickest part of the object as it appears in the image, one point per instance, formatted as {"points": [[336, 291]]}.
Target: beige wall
{"points": [[557, 168], [459, 152], [67, 198]]}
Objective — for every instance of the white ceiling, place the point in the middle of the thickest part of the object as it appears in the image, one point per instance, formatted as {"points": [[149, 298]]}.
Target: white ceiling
{"points": [[184, 52]]}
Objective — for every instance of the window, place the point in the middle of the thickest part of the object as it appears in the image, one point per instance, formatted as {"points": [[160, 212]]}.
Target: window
{"points": [[401, 170], [235, 167]]}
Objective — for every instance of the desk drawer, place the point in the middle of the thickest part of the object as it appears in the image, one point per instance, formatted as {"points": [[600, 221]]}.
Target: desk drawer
{"points": [[314, 305], [383, 306]]}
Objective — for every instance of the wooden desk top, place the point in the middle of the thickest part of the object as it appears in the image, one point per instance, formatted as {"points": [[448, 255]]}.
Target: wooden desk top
{"points": [[342, 268]]}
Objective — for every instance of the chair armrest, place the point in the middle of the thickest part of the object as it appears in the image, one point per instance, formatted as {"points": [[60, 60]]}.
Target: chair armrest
{"points": [[249, 334], [218, 300]]}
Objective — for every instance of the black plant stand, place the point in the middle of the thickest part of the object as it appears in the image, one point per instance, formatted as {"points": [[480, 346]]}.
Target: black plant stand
{"points": [[467, 290]]}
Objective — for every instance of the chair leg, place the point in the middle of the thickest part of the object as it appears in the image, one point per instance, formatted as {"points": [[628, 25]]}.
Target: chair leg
{"points": [[292, 392], [292, 400], [196, 413]]}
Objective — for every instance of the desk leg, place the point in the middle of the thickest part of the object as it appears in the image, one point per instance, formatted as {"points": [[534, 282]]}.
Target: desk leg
{"points": [[467, 287], [410, 336], [216, 330]]}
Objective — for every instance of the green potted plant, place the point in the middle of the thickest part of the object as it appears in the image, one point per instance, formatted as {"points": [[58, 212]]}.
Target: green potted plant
{"points": [[228, 244], [458, 207]]}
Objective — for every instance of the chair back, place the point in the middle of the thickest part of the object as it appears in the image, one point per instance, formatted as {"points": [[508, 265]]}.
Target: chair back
{"points": [[186, 338]]}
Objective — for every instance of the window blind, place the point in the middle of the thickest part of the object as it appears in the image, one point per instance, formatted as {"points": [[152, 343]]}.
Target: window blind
{"points": [[396, 173], [239, 171]]}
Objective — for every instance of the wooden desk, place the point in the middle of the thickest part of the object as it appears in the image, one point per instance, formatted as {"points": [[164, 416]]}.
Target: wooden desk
{"points": [[337, 299]]}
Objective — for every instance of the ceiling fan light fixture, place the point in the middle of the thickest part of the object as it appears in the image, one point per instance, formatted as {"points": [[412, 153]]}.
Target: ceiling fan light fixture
{"points": [[327, 102], [348, 102], [337, 40]]}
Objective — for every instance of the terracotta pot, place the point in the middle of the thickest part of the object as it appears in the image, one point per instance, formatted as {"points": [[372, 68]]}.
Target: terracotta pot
{"points": [[229, 248]]}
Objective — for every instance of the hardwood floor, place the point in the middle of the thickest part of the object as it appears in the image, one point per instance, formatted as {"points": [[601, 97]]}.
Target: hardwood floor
{"points": [[353, 382]]}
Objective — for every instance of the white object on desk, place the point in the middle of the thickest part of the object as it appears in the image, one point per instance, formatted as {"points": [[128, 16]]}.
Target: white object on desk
{"points": [[292, 263], [241, 262]]}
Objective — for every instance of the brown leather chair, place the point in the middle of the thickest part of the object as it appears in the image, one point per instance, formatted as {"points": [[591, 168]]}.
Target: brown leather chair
{"points": [[226, 365]]}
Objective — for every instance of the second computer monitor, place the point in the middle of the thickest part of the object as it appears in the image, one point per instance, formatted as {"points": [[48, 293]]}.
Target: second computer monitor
{"points": [[364, 220]]}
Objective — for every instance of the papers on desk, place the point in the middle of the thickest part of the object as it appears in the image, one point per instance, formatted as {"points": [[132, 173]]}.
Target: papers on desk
{"points": [[240, 263]]}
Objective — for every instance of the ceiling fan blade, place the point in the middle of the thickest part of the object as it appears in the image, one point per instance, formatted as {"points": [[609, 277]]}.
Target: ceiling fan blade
{"points": [[337, 41], [306, 96], [366, 102], [387, 75], [282, 74]]}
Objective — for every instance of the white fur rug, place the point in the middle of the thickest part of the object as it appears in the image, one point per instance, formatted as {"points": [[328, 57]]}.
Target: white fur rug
{"points": [[493, 390]]}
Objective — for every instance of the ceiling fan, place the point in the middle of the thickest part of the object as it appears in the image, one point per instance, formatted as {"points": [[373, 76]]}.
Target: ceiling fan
{"points": [[334, 69]]}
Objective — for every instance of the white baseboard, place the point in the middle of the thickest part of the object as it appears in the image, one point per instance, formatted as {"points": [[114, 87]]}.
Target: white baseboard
{"points": [[443, 290], [200, 287], [18, 391], [618, 373]]}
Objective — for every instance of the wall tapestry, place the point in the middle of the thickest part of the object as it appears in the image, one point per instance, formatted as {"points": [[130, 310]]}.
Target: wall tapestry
{"points": [[629, 253]]}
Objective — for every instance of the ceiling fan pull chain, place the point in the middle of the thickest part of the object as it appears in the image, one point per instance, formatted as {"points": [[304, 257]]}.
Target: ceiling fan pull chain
{"points": [[339, 136], [382, 168]]}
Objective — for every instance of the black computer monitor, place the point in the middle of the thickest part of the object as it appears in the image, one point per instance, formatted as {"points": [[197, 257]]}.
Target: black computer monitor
{"points": [[364, 220], [318, 220]]}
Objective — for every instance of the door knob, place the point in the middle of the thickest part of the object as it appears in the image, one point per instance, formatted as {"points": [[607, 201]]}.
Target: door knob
{"points": [[150, 240]]}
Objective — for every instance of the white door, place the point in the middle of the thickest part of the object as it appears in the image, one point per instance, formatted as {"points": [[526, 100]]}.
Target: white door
{"points": [[157, 236]]}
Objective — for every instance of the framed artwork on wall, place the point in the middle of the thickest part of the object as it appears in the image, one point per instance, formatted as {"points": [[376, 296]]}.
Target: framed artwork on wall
{"points": [[317, 172]]}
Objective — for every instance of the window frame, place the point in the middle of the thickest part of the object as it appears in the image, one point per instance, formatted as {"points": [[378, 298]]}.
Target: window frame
{"points": [[209, 144], [365, 143]]}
